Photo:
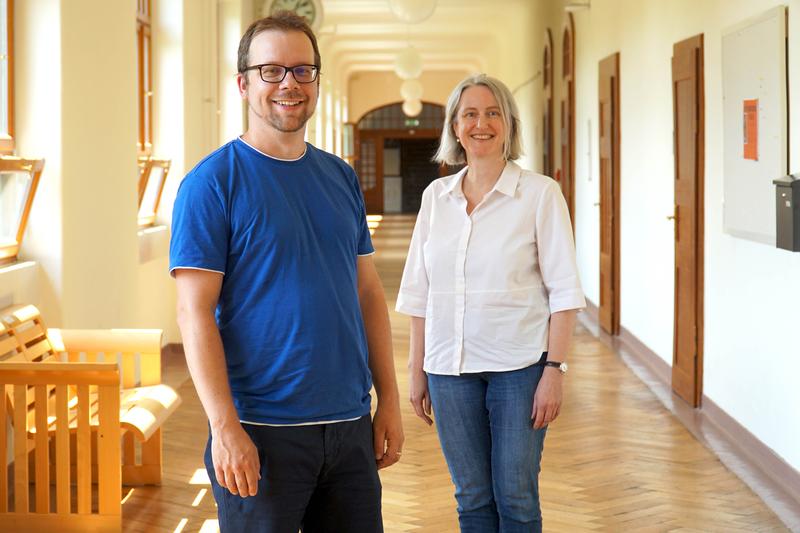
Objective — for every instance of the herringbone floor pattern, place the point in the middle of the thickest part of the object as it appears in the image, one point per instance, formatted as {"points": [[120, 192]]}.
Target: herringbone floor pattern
{"points": [[616, 460]]}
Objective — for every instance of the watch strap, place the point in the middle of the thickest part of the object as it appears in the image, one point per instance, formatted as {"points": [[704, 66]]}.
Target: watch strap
{"points": [[556, 364]]}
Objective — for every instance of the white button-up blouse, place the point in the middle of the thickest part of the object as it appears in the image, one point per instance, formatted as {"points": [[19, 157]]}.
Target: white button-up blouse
{"points": [[487, 283]]}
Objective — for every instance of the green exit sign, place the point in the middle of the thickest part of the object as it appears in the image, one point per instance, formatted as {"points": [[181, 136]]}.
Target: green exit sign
{"points": [[412, 122]]}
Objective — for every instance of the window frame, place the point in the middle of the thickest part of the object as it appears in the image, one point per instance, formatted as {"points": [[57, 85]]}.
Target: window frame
{"points": [[144, 51], [7, 145], [146, 166], [9, 250]]}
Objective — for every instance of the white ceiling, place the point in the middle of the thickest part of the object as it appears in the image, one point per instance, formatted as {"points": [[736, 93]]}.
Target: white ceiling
{"points": [[364, 35]]}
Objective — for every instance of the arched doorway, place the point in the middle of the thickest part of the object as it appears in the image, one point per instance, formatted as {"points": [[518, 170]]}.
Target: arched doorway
{"points": [[393, 156]]}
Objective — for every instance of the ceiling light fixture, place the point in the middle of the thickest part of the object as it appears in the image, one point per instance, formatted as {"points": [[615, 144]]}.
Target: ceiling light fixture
{"points": [[412, 11]]}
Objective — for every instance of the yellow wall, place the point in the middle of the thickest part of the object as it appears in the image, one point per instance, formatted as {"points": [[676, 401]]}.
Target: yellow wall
{"points": [[368, 90]]}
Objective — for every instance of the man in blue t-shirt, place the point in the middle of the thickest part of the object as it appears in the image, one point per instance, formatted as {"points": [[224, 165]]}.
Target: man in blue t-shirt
{"points": [[281, 310]]}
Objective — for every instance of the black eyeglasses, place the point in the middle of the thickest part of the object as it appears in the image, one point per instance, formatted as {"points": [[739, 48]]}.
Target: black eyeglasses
{"points": [[276, 73]]}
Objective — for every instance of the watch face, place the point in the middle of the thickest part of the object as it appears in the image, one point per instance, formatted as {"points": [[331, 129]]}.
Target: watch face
{"points": [[563, 368], [304, 8]]}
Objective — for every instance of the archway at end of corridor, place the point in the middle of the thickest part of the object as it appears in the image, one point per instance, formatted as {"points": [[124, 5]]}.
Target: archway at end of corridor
{"points": [[394, 154]]}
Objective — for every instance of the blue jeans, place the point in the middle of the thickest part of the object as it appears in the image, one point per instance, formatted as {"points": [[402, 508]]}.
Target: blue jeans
{"points": [[491, 448]]}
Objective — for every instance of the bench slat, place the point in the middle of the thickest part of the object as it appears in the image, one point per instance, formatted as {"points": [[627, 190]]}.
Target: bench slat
{"points": [[109, 482], [43, 347], [62, 452], [144, 409], [35, 331], [84, 452], [16, 357], [20, 453], [41, 453], [7, 345]]}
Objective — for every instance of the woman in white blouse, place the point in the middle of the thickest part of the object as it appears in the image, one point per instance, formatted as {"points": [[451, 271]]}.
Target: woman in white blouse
{"points": [[492, 288]]}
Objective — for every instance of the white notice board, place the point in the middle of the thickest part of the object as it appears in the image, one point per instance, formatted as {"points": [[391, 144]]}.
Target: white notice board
{"points": [[755, 123]]}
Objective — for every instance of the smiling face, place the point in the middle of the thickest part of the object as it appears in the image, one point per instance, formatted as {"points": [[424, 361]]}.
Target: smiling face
{"points": [[479, 124], [285, 106]]}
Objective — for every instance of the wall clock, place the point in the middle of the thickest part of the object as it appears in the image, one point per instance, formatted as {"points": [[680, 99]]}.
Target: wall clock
{"points": [[311, 10]]}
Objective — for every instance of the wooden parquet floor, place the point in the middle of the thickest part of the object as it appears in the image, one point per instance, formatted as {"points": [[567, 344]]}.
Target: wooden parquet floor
{"points": [[616, 460]]}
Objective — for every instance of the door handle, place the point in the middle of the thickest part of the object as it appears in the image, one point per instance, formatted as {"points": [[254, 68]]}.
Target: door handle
{"points": [[674, 216]]}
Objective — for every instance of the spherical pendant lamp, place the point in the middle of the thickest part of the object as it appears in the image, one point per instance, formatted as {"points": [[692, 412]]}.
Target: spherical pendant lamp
{"points": [[412, 108], [408, 64], [411, 89], [412, 11]]}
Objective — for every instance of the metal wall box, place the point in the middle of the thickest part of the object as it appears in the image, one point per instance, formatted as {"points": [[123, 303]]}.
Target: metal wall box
{"points": [[787, 210]]}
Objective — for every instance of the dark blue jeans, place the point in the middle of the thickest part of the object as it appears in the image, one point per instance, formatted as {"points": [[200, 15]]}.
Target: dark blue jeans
{"points": [[318, 478], [491, 448]]}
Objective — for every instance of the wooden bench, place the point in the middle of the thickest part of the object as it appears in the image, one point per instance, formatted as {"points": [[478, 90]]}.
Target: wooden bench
{"points": [[99, 395]]}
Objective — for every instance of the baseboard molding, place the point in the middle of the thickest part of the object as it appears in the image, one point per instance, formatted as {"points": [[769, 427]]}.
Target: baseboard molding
{"points": [[646, 356], [756, 451], [172, 349], [592, 310], [760, 468]]}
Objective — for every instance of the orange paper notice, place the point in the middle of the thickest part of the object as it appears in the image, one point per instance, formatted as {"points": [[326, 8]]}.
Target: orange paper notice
{"points": [[751, 129]]}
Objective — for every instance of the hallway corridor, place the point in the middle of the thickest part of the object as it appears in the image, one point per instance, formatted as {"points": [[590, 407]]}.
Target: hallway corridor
{"points": [[616, 460]]}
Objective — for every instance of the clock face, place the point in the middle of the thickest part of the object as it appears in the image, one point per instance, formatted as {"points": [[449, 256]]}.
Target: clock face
{"points": [[305, 8]]}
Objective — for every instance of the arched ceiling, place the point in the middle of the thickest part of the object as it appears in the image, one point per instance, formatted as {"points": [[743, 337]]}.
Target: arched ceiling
{"points": [[464, 35]]}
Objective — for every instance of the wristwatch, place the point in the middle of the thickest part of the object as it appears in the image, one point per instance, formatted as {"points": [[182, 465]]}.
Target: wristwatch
{"points": [[562, 367]]}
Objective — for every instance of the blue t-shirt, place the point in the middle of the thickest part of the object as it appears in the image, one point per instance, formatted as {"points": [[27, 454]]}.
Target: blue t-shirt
{"points": [[286, 235]]}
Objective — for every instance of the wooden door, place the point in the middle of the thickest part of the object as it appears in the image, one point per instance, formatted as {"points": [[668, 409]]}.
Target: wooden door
{"points": [[567, 180], [689, 154], [418, 170], [370, 170], [609, 193]]}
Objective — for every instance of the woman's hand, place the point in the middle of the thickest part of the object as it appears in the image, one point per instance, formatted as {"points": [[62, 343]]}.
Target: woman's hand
{"points": [[419, 395], [547, 399]]}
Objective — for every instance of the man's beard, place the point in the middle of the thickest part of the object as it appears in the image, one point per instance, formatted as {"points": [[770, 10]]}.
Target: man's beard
{"points": [[282, 123], [289, 124]]}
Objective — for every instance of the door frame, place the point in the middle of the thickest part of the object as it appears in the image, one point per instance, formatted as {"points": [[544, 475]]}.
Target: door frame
{"points": [[548, 139], [567, 131], [609, 69], [379, 136]]}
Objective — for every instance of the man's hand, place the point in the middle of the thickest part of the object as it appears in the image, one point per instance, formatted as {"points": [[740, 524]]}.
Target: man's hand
{"points": [[547, 399], [235, 459], [419, 395], [387, 435]]}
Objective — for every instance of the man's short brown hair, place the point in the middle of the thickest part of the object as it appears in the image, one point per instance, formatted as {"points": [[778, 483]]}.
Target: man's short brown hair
{"points": [[284, 21]]}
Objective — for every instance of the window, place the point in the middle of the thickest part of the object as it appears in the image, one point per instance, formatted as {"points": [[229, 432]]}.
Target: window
{"points": [[152, 172], [18, 180], [6, 76], [368, 164], [348, 143], [152, 177], [392, 117], [145, 69]]}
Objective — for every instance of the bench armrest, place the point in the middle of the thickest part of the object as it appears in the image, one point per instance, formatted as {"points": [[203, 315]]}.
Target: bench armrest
{"points": [[59, 374], [144, 342]]}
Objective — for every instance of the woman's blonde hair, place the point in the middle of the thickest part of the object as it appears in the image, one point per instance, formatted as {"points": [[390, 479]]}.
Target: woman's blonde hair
{"points": [[450, 152]]}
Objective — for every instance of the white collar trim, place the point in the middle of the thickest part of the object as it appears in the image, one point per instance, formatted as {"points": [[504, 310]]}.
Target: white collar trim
{"points": [[305, 149]]}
